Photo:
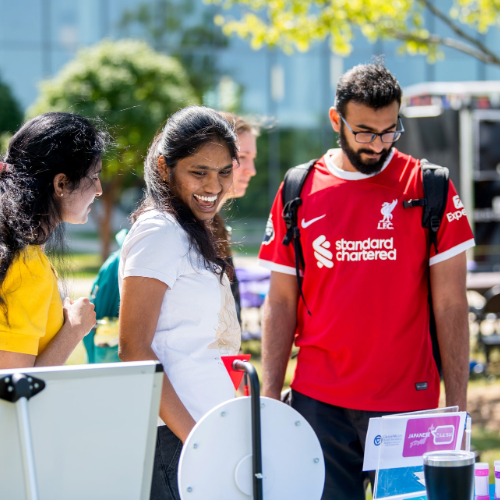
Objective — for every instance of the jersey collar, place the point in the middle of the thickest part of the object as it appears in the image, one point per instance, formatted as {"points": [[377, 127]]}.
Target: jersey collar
{"points": [[351, 176]]}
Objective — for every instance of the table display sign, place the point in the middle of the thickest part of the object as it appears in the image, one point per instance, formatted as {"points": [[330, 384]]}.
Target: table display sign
{"points": [[79, 432], [395, 445]]}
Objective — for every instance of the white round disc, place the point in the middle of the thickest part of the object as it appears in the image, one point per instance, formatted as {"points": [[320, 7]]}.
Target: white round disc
{"points": [[216, 460], [243, 474]]}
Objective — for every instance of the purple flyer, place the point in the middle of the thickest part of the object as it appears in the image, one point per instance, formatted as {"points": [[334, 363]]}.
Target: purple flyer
{"points": [[430, 434]]}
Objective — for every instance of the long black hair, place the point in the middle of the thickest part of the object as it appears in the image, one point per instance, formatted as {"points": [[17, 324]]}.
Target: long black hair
{"points": [[43, 147], [183, 135]]}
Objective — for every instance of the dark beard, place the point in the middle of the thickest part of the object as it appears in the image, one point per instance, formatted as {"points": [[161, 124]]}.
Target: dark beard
{"points": [[368, 168]]}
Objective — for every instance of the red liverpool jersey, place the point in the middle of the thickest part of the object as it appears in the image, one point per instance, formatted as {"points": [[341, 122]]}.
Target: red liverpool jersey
{"points": [[366, 344]]}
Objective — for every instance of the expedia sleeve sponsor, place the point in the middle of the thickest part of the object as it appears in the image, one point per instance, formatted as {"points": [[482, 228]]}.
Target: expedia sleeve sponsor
{"points": [[460, 212], [369, 249], [451, 216], [457, 202]]}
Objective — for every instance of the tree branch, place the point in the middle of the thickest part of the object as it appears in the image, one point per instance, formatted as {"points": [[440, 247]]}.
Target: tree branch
{"points": [[447, 42], [487, 57]]}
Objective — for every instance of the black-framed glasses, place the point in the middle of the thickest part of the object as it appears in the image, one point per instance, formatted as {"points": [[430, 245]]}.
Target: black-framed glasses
{"points": [[367, 137]]}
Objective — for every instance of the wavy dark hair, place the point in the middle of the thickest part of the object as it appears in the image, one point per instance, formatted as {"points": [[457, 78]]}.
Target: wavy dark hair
{"points": [[183, 135], [370, 84], [43, 147]]}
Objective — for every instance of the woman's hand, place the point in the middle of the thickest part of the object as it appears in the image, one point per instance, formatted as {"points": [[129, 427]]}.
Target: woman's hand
{"points": [[79, 319], [79, 316]]}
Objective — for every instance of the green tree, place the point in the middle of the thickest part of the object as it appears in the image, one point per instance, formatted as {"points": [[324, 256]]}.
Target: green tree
{"points": [[296, 24], [169, 26], [133, 89], [11, 116]]}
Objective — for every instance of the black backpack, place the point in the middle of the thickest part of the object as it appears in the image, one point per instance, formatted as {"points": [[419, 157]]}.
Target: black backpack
{"points": [[435, 183]]}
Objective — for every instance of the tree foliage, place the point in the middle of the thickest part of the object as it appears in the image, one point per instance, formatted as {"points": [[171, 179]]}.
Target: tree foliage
{"points": [[297, 24], [133, 90], [11, 116], [169, 26]]}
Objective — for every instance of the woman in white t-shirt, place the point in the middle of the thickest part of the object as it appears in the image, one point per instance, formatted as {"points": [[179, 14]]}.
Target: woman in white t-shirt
{"points": [[176, 302]]}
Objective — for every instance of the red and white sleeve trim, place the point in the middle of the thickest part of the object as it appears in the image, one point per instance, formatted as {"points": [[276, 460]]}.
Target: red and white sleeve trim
{"points": [[440, 257], [272, 266]]}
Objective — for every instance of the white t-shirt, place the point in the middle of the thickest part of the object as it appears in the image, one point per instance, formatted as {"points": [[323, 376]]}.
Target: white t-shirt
{"points": [[197, 323]]}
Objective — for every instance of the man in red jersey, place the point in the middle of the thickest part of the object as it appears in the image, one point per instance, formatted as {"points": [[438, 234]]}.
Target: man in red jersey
{"points": [[365, 349]]}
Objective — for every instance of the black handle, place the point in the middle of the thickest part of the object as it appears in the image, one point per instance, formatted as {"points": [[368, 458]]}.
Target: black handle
{"points": [[244, 366]]}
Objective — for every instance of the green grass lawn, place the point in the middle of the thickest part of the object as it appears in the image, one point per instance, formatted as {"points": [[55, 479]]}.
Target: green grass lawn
{"points": [[245, 250], [78, 265], [253, 347], [488, 443]]}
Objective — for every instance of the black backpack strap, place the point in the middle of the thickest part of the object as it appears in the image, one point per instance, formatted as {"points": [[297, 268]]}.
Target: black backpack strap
{"points": [[436, 182], [292, 187]]}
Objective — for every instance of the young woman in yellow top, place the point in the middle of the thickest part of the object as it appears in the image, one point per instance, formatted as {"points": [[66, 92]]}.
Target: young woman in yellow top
{"points": [[50, 174]]}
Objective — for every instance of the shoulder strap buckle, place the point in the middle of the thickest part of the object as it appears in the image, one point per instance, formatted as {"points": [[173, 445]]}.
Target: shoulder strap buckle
{"points": [[435, 222], [289, 213], [415, 203], [290, 217]]}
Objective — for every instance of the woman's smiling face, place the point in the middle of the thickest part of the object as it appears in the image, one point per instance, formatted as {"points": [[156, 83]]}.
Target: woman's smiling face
{"points": [[200, 181]]}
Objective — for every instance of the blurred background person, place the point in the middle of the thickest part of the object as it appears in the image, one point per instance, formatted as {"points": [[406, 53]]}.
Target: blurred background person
{"points": [[247, 134], [50, 174]]}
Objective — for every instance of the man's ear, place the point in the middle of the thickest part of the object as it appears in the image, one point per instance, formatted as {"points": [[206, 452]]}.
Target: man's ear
{"points": [[162, 168], [60, 182], [334, 119]]}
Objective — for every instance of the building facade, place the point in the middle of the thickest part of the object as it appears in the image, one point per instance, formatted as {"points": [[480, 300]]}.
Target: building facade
{"points": [[39, 36]]}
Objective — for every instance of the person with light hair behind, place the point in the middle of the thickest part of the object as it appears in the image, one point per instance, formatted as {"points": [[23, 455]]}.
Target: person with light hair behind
{"points": [[247, 134]]}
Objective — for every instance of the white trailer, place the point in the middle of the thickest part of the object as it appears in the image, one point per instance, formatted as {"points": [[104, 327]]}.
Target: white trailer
{"points": [[457, 125]]}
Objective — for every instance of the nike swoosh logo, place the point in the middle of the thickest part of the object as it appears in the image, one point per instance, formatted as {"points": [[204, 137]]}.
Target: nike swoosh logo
{"points": [[308, 223]]}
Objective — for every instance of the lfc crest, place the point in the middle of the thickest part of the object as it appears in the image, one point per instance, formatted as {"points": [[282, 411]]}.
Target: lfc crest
{"points": [[386, 211]]}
